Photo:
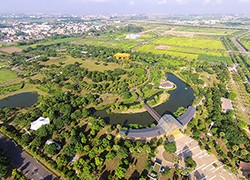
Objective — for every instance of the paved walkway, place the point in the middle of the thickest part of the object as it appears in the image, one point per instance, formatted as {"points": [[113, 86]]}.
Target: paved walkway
{"points": [[205, 169], [24, 162]]}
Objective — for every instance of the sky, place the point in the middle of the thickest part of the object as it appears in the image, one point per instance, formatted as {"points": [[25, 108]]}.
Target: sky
{"points": [[165, 7]]}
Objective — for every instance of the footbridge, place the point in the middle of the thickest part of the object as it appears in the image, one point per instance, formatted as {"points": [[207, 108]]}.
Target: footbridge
{"points": [[152, 112], [166, 124]]}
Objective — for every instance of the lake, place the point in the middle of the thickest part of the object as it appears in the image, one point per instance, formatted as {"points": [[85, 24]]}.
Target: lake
{"points": [[182, 96], [26, 99]]}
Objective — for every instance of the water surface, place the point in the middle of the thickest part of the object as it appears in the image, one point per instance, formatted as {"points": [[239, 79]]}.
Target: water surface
{"points": [[182, 96], [26, 99]]}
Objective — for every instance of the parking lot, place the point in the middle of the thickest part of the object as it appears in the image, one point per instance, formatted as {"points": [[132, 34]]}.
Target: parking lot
{"points": [[208, 166]]}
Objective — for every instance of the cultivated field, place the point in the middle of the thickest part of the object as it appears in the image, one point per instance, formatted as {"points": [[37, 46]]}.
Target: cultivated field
{"points": [[190, 42], [121, 44], [10, 49], [245, 40], [49, 42], [206, 30]]}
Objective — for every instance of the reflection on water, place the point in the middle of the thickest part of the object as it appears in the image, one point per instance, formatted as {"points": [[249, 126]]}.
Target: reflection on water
{"points": [[183, 95], [26, 99]]}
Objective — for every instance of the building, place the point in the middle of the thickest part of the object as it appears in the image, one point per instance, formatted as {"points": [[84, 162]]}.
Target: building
{"points": [[35, 125], [133, 36], [153, 173], [245, 169], [166, 125], [123, 56], [226, 105]]}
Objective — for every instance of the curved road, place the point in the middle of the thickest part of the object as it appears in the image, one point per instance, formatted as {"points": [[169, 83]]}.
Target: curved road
{"points": [[23, 161]]}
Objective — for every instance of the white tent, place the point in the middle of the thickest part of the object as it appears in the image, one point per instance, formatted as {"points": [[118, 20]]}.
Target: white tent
{"points": [[39, 123]]}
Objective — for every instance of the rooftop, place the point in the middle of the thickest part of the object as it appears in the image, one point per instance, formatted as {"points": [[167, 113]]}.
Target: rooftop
{"points": [[35, 125]]}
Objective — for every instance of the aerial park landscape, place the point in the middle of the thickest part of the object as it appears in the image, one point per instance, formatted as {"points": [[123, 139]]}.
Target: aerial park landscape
{"points": [[124, 97]]}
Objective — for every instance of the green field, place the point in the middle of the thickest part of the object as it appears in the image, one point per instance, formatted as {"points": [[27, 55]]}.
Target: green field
{"points": [[190, 42], [152, 48], [206, 30], [6, 75], [121, 44], [245, 40], [49, 42], [190, 53], [246, 44]]}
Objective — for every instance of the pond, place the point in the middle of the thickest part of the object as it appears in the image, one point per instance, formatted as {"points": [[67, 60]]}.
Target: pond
{"points": [[182, 96], [26, 99]]}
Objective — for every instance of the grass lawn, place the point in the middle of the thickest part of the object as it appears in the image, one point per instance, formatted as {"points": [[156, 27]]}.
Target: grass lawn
{"points": [[66, 60], [90, 64], [6, 75]]}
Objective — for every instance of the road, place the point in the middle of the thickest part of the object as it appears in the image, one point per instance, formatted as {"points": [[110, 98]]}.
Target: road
{"points": [[23, 161], [239, 45]]}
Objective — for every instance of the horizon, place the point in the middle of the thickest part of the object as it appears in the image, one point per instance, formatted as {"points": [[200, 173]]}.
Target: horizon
{"points": [[157, 7]]}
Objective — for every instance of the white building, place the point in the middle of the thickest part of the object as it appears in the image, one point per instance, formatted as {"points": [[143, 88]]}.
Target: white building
{"points": [[39, 123], [133, 36]]}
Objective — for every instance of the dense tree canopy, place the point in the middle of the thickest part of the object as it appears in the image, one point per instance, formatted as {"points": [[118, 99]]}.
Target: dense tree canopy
{"points": [[4, 165]]}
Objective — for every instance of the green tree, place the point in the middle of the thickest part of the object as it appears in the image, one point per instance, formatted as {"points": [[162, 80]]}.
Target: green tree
{"points": [[61, 161], [98, 161], [232, 95], [17, 175], [50, 149], [37, 142], [170, 147], [120, 172], [25, 139], [190, 163], [85, 112], [3, 164]]}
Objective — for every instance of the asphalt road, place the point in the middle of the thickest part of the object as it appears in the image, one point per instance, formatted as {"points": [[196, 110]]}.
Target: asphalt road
{"points": [[23, 161]]}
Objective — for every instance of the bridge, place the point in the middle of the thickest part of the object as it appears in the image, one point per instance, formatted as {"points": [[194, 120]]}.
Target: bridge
{"points": [[152, 112], [166, 124]]}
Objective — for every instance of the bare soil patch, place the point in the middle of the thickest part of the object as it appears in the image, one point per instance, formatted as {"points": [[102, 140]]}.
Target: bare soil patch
{"points": [[10, 49], [163, 47]]}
